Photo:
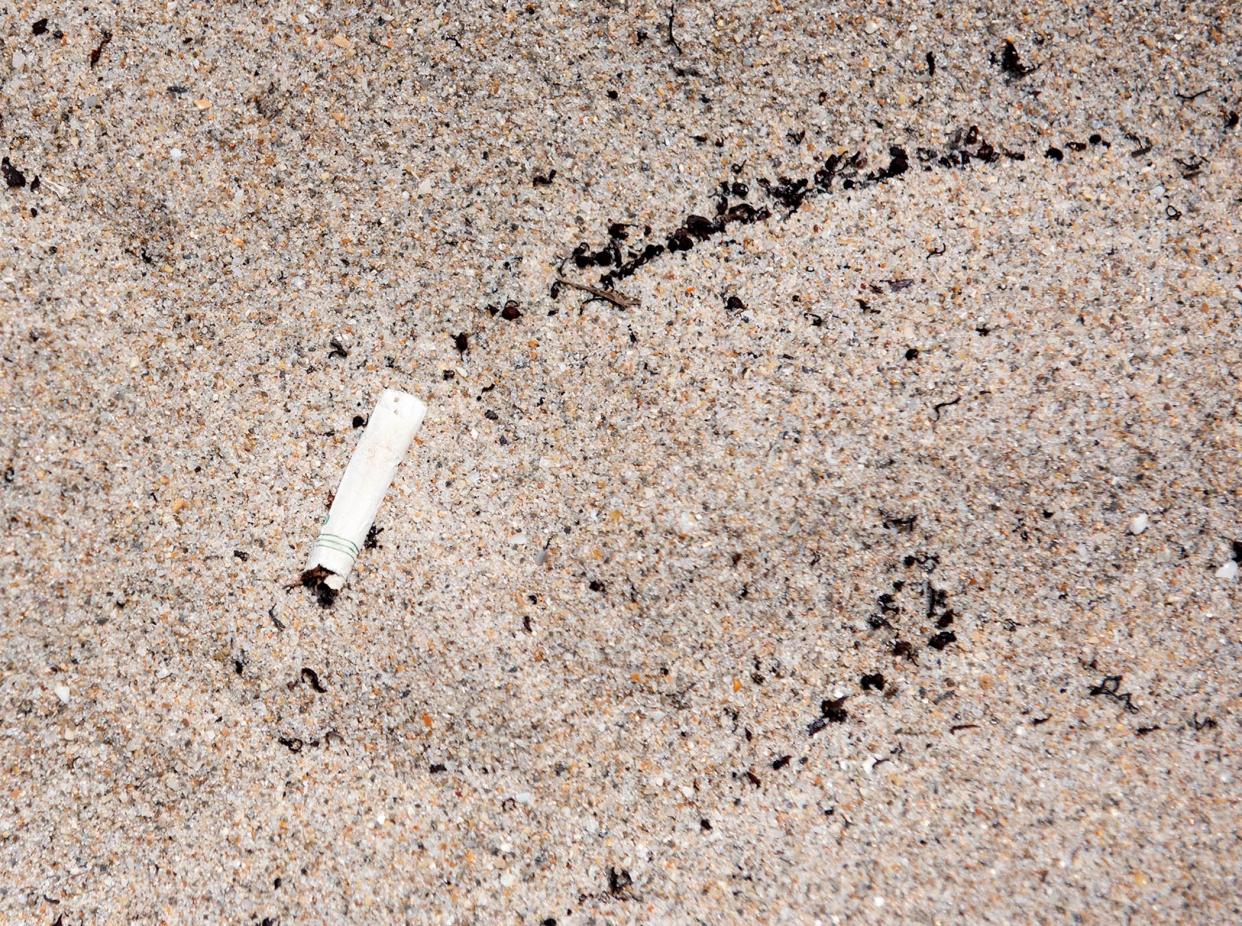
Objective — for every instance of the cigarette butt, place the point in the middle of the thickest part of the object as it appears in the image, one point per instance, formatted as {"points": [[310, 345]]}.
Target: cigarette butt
{"points": [[385, 440]]}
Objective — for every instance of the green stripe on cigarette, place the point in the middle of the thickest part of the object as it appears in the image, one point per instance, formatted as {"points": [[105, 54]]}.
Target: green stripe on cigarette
{"points": [[338, 543]]}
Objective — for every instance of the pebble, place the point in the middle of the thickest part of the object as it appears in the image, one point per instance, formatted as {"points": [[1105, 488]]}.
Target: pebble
{"points": [[1139, 523]]}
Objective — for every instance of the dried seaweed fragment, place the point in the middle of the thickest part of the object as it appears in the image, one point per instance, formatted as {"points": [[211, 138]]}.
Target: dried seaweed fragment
{"points": [[1110, 688], [1011, 63]]}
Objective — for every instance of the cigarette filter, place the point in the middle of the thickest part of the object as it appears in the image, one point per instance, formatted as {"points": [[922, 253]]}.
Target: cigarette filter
{"points": [[392, 425]]}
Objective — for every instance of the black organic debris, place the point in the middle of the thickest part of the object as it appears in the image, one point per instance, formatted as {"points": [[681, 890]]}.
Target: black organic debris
{"points": [[104, 39], [843, 170], [311, 677], [13, 177], [1011, 63], [830, 711], [1110, 688], [618, 880]]}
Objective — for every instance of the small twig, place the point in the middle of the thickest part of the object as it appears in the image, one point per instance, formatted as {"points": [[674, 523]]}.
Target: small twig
{"points": [[672, 13], [105, 38], [1191, 97], [620, 300], [1144, 145], [939, 405]]}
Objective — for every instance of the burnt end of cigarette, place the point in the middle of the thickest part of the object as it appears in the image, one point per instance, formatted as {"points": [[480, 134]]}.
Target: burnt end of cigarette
{"points": [[315, 580]]}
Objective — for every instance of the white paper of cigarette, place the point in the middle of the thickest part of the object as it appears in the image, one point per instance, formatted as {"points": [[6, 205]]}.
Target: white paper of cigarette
{"points": [[392, 425]]}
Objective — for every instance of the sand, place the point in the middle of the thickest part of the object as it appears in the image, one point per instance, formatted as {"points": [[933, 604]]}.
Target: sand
{"points": [[865, 559]]}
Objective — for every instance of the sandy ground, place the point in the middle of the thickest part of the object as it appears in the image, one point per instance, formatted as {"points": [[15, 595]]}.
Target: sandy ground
{"points": [[869, 558]]}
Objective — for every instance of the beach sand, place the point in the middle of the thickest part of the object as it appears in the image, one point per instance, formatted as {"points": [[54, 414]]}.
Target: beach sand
{"points": [[866, 559]]}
